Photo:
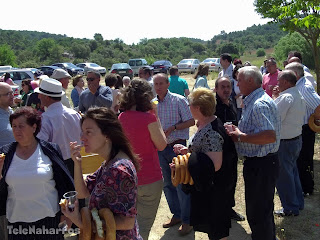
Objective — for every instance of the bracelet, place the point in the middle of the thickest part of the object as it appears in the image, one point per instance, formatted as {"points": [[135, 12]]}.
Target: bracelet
{"points": [[239, 139]]}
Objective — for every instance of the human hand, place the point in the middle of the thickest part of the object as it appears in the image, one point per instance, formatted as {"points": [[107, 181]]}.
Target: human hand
{"points": [[72, 216], [75, 152], [168, 131], [2, 157], [275, 92], [180, 149]]}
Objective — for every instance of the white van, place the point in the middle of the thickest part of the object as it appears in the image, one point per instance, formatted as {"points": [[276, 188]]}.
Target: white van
{"points": [[5, 68], [136, 64]]}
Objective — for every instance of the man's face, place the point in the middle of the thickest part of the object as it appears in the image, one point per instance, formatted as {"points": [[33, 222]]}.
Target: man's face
{"points": [[6, 96], [282, 84], [160, 85], [224, 63], [142, 74], [64, 82], [43, 100], [93, 81], [224, 89], [243, 84], [271, 67]]}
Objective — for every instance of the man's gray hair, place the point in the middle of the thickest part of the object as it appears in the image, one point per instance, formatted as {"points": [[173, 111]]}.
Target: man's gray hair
{"points": [[251, 72], [297, 68], [288, 75]]}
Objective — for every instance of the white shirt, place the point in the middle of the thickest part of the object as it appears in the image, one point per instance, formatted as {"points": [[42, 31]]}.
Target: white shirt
{"points": [[311, 79], [292, 108], [65, 100], [60, 125], [227, 72], [31, 189]]}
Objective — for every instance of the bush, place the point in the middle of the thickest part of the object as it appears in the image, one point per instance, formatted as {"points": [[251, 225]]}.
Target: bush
{"points": [[261, 52]]}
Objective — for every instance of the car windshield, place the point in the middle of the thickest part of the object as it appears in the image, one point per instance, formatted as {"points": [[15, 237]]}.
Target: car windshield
{"points": [[210, 60], [94, 65], [120, 66], [70, 65], [186, 61], [159, 63]]}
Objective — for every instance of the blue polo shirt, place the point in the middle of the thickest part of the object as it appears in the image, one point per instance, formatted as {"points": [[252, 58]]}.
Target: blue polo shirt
{"points": [[177, 85]]}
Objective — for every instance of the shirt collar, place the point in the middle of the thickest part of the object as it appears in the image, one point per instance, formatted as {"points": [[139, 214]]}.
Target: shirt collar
{"points": [[288, 90], [165, 98], [252, 96]]}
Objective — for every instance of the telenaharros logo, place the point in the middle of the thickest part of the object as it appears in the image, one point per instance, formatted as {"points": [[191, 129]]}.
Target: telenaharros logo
{"points": [[39, 231]]}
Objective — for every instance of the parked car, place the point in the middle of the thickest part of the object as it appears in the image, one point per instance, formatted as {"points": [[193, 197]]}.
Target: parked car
{"points": [[213, 63], [92, 67], [17, 75], [47, 70], [188, 65], [161, 66], [70, 68], [123, 69], [136, 64]]}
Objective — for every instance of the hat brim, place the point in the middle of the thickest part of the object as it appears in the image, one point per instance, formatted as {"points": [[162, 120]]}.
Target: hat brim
{"points": [[38, 90]]}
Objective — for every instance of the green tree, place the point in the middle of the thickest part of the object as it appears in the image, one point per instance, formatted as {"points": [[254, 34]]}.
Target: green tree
{"points": [[261, 52], [295, 42], [228, 48], [7, 56], [302, 16]]}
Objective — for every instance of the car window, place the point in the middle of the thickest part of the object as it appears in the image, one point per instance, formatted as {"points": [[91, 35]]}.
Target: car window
{"points": [[144, 62], [138, 62], [24, 75], [15, 76], [94, 65], [132, 63]]}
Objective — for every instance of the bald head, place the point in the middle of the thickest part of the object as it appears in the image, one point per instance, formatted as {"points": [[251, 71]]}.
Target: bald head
{"points": [[294, 59], [6, 96]]}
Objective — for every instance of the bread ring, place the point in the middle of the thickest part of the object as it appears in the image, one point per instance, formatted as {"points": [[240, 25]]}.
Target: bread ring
{"points": [[85, 232], [182, 168], [187, 177], [312, 125], [176, 173], [107, 215], [95, 216], [2, 155]]}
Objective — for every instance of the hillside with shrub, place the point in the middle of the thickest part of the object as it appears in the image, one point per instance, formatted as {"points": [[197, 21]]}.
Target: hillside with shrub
{"points": [[32, 49]]}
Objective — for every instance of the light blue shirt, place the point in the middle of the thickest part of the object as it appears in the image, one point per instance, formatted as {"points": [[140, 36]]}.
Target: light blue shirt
{"points": [[5, 127], [310, 96], [259, 114], [201, 82]]}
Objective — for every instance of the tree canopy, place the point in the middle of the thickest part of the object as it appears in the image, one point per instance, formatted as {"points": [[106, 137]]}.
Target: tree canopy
{"points": [[302, 16]]}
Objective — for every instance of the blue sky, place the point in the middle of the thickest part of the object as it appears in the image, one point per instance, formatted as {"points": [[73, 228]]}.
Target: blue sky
{"points": [[130, 20]]}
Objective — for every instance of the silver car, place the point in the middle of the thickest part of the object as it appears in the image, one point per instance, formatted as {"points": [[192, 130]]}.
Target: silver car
{"points": [[213, 63], [188, 65], [92, 67]]}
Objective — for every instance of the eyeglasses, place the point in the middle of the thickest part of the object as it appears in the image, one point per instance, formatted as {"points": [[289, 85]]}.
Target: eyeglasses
{"points": [[91, 79], [7, 94]]}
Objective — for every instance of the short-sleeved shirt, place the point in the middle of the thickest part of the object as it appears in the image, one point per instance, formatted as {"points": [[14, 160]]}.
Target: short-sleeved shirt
{"points": [[206, 140], [172, 110], [310, 96], [270, 80], [5, 127], [178, 85], [260, 113], [135, 125], [201, 81], [114, 186]]}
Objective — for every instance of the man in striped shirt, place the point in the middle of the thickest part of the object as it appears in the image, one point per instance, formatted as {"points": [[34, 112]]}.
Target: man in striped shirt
{"points": [[257, 138], [305, 160], [176, 119]]}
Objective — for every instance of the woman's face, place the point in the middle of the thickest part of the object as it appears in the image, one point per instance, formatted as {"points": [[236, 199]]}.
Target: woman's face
{"points": [[80, 83], [22, 132], [195, 111], [93, 139], [25, 87]]}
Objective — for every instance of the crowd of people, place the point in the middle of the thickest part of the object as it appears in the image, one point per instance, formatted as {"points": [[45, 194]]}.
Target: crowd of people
{"points": [[267, 117]]}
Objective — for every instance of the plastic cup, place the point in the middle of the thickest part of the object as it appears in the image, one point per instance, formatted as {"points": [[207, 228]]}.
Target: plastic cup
{"points": [[71, 198]]}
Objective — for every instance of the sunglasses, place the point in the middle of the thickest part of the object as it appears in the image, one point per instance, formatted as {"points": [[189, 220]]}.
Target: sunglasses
{"points": [[91, 79]]}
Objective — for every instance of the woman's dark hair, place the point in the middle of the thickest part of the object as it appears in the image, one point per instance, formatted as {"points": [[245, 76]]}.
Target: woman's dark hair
{"points": [[138, 93], [111, 80], [119, 83], [235, 70], [76, 79], [28, 83], [31, 115], [110, 127], [6, 76]]}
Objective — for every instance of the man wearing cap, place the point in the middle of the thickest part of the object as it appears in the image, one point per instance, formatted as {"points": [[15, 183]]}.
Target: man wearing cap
{"points": [[95, 94], [59, 124], [63, 77]]}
